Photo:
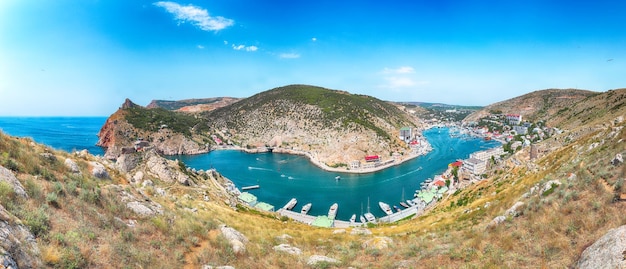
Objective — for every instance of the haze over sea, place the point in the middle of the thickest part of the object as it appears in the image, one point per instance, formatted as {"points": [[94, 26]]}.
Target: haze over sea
{"points": [[280, 176]]}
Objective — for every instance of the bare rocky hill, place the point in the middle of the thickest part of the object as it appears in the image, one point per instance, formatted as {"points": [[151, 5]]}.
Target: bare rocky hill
{"points": [[537, 105], [332, 127], [193, 105]]}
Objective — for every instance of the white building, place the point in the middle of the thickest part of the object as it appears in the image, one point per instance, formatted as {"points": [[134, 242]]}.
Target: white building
{"points": [[485, 155], [514, 119], [475, 166]]}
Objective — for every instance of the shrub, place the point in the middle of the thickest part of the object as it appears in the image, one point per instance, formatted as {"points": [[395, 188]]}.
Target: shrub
{"points": [[37, 221], [52, 199], [7, 193]]}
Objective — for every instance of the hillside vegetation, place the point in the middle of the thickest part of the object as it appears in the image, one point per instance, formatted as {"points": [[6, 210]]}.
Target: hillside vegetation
{"points": [[147, 212], [332, 127], [193, 105], [534, 106]]}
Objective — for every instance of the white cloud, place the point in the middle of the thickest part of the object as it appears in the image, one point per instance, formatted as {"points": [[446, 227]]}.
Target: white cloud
{"points": [[195, 15], [399, 70], [399, 78], [289, 55], [314, 39], [244, 47], [225, 42], [399, 82], [200, 47]]}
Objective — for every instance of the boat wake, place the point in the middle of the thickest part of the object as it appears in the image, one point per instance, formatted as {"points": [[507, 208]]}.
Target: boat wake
{"points": [[258, 168]]}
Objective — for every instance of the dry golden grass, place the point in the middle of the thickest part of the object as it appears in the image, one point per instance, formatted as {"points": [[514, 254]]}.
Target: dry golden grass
{"points": [[84, 228]]}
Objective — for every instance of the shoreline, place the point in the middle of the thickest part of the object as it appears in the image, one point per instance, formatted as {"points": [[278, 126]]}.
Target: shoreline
{"points": [[389, 163]]}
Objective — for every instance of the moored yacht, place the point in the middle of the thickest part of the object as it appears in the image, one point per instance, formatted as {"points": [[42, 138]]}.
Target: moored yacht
{"points": [[385, 208], [306, 208], [332, 212], [291, 204]]}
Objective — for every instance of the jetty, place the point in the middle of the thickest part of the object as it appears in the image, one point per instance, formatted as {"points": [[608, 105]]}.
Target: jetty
{"points": [[321, 220], [250, 187]]}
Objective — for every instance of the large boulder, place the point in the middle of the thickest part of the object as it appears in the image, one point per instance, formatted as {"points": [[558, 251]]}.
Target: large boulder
{"points": [[128, 162], [315, 259], [288, 249], [18, 247], [513, 211], [165, 170], [607, 252], [237, 240], [7, 176], [72, 166], [98, 170]]}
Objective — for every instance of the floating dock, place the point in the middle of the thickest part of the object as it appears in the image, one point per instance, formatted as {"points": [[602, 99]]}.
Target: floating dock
{"points": [[250, 187]]}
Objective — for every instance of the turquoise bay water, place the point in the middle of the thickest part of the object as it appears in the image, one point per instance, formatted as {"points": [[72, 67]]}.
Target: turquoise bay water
{"points": [[282, 176]]}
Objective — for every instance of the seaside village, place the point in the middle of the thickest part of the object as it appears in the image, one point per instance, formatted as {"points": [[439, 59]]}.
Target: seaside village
{"points": [[510, 130]]}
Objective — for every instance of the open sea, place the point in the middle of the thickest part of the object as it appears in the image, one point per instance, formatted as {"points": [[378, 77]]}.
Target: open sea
{"points": [[280, 176]]}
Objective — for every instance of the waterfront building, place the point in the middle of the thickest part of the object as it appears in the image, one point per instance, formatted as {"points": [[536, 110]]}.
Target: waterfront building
{"points": [[520, 130], [514, 119], [264, 206], [247, 198], [356, 164], [405, 133], [485, 155], [475, 166]]}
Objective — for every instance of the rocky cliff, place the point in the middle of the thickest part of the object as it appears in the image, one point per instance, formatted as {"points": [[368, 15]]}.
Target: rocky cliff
{"points": [[133, 124]]}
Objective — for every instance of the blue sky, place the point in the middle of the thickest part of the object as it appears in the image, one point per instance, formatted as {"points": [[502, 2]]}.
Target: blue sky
{"points": [[68, 57]]}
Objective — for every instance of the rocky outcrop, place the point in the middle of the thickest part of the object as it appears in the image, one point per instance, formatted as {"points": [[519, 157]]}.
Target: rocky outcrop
{"points": [[165, 169], [128, 162], [139, 205], [315, 259], [7, 176], [236, 239], [18, 247], [288, 249], [98, 170], [72, 166], [607, 252]]}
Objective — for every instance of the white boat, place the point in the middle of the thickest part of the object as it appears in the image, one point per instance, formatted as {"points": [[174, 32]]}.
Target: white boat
{"points": [[332, 212], [403, 204], [370, 217], [362, 219], [337, 177], [385, 208], [353, 218], [410, 202], [306, 208], [291, 204]]}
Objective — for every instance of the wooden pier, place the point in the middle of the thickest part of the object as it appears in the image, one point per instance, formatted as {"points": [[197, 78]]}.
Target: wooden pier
{"points": [[250, 187]]}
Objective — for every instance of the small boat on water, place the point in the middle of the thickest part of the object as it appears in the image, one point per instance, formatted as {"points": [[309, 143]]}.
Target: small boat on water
{"points": [[405, 205], [396, 208], [353, 218], [410, 202], [291, 204], [337, 178], [332, 212], [362, 219], [306, 208], [385, 208], [370, 217]]}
